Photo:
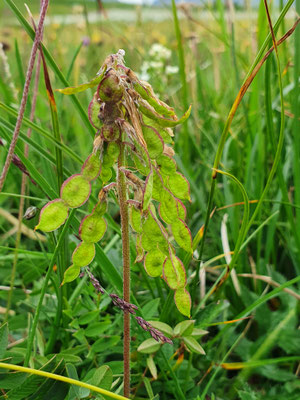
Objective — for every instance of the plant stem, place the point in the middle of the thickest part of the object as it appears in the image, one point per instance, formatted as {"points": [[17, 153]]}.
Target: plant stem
{"points": [[35, 45], [122, 192]]}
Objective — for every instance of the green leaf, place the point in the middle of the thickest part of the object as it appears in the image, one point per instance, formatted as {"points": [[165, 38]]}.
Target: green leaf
{"points": [[92, 228], [75, 191], [197, 333], [74, 392], [148, 346], [155, 144], [193, 345], [91, 167], [71, 274], [163, 327], [147, 195], [153, 263], [183, 301], [3, 339], [182, 235], [179, 186], [84, 86], [53, 215], [88, 317], [184, 328], [83, 254], [152, 367], [174, 273], [103, 377]]}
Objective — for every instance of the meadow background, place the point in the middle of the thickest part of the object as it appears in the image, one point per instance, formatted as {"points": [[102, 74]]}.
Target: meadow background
{"points": [[246, 359]]}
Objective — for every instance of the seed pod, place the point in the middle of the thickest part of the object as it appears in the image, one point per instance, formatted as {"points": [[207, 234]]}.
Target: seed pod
{"points": [[182, 235], [153, 263], [149, 111], [155, 144], [83, 254], [110, 133], [183, 301], [75, 191], [94, 110], [174, 272], [92, 228], [91, 167], [53, 215], [109, 89], [179, 186], [71, 274], [147, 192]]}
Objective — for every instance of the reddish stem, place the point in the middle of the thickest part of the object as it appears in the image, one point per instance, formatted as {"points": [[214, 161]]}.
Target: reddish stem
{"points": [[122, 192]]}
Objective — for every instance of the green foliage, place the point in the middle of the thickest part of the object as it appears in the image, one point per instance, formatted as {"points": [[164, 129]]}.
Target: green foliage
{"points": [[167, 198]]}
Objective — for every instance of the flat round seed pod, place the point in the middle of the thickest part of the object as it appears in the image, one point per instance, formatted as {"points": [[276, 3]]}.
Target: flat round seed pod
{"points": [[93, 112], [83, 254], [91, 167], [92, 228], [174, 273], [153, 263], [75, 191], [53, 215], [109, 89]]}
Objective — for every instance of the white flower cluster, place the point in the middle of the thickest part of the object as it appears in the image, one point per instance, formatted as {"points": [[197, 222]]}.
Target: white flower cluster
{"points": [[159, 58]]}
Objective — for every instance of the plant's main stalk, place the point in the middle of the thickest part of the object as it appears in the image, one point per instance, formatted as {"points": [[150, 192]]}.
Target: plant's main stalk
{"points": [[122, 192]]}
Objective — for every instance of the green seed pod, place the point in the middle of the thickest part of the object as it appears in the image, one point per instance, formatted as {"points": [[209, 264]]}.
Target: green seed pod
{"points": [[147, 94], [136, 219], [158, 186], [92, 228], [141, 164], [83, 254], [84, 86], [53, 215], [149, 112], [109, 89], [167, 165], [165, 133], [113, 150], [95, 108], [179, 186], [105, 174], [168, 207], [147, 192], [182, 235], [153, 263], [183, 301], [155, 144], [110, 133], [100, 208], [174, 272], [75, 191], [91, 167], [71, 274]]}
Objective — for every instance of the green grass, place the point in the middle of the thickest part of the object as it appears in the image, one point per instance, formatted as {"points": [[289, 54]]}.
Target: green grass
{"points": [[257, 156]]}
